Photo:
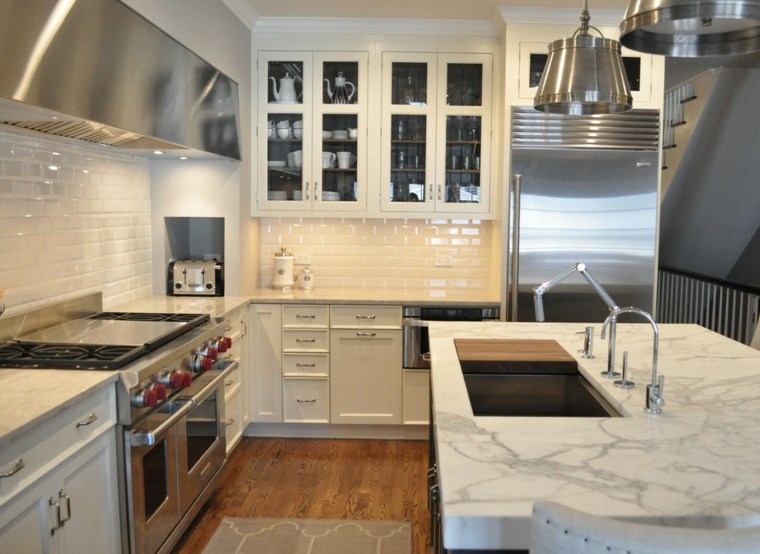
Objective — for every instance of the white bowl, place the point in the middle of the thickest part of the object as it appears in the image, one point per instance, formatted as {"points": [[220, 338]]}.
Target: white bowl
{"points": [[326, 134], [330, 196], [297, 124], [277, 195], [275, 163], [341, 134], [297, 195]]}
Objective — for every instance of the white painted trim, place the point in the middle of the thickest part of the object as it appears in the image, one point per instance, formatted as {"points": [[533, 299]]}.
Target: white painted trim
{"points": [[243, 11], [328, 431], [342, 26], [525, 14]]}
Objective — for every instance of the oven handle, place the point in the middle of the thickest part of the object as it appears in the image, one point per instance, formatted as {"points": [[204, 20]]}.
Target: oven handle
{"points": [[408, 322], [149, 438]]}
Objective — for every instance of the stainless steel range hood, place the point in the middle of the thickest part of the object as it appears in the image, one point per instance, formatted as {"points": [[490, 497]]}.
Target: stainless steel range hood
{"points": [[96, 70]]}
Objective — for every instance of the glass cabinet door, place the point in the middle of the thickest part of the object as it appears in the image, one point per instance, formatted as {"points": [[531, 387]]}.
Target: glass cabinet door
{"points": [[340, 130], [409, 129], [284, 122], [464, 138]]}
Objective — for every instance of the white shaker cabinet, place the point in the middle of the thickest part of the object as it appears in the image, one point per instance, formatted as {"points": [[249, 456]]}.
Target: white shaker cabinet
{"points": [[65, 498], [237, 411], [265, 357], [365, 373]]}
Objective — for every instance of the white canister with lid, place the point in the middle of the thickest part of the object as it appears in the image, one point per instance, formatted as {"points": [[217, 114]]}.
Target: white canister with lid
{"points": [[307, 279], [283, 272]]}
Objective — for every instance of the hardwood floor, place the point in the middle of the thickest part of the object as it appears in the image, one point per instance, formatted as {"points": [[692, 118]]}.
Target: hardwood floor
{"points": [[321, 479]]}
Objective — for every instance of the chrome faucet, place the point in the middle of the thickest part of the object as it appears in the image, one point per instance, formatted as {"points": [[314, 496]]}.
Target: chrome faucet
{"points": [[654, 397]]}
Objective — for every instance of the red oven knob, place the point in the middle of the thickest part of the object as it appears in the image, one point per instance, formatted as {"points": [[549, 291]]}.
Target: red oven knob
{"points": [[159, 389], [222, 344], [181, 379], [201, 363], [146, 398]]}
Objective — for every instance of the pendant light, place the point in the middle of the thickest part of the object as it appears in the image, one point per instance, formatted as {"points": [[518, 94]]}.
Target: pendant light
{"points": [[692, 28], [584, 75]]}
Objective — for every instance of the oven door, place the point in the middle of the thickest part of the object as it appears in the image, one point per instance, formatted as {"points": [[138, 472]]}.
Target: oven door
{"points": [[416, 346], [154, 499], [201, 441]]}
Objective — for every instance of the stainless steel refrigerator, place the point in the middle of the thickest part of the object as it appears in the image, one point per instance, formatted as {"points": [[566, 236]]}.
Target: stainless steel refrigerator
{"points": [[583, 190]]}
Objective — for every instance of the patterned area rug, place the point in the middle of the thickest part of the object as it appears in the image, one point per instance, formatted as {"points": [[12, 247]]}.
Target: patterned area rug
{"points": [[310, 536]]}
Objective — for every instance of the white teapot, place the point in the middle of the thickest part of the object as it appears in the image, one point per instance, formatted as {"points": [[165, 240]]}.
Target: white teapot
{"points": [[340, 95], [287, 92]]}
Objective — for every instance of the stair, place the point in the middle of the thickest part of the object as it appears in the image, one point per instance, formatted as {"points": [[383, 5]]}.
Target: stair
{"points": [[683, 107]]}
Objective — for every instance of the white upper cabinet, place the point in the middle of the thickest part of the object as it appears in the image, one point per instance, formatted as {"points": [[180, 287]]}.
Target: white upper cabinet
{"points": [[436, 132], [312, 129]]}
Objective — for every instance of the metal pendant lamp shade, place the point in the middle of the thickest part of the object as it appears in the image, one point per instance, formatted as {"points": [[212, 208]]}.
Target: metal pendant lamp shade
{"points": [[584, 75], [692, 28]]}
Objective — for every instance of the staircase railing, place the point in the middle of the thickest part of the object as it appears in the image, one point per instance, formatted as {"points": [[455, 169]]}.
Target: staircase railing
{"points": [[727, 308]]}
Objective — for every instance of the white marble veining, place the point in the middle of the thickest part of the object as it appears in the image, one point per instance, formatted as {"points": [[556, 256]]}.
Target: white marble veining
{"points": [[29, 397], [696, 464]]}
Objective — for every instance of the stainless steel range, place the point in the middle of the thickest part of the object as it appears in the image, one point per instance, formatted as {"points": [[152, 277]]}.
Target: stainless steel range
{"points": [[170, 401]]}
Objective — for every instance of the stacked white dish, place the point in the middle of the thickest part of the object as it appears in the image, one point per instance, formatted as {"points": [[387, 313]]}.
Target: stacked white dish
{"points": [[275, 163], [342, 134], [329, 196], [277, 195]]}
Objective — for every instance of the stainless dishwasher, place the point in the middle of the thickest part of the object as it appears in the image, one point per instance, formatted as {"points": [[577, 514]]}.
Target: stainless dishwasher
{"points": [[416, 348]]}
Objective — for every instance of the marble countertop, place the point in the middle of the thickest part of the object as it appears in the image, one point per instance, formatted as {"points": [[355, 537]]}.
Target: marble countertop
{"points": [[29, 397], [419, 297], [695, 464], [212, 305]]}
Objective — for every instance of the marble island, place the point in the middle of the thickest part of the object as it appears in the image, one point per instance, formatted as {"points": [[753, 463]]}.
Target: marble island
{"points": [[695, 464]]}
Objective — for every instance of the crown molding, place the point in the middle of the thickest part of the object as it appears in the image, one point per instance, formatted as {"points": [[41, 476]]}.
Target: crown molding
{"points": [[529, 14], [243, 11], [375, 25]]}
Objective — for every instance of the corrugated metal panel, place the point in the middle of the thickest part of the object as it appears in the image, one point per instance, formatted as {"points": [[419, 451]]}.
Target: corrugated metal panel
{"points": [[633, 130]]}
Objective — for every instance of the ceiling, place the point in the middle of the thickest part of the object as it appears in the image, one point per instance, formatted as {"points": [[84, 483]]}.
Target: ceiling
{"points": [[677, 70]]}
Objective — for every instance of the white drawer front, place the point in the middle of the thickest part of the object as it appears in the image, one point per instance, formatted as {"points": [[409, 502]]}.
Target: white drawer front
{"points": [[306, 400], [305, 315], [299, 340], [306, 364], [233, 419], [232, 382], [370, 316], [55, 440]]}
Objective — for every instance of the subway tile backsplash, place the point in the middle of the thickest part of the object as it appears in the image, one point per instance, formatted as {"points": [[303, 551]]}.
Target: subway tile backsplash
{"points": [[74, 218], [385, 253]]}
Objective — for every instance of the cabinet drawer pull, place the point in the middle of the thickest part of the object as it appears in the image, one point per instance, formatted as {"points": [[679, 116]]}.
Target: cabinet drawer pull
{"points": [[310, 316], [306, 365], [229, 382], [359, 316], [92, 418], [305, 401], [229, 422], [62, 494], [365, 334], [15, 469], [306, 340], [59, 522]]}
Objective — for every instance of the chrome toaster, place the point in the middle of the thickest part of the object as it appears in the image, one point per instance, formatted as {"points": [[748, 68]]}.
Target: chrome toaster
{"points": [[195, 278]]}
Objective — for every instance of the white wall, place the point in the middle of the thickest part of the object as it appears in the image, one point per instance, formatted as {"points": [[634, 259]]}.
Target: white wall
{"points": [[208, 189]]}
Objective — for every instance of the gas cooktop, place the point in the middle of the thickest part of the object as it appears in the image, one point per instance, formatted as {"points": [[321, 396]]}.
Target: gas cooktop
{"points": [[105, 340]]}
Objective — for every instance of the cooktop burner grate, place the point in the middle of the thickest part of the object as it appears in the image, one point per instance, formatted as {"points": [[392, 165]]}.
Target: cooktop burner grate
{"points": [[193, 319], [68, 356]]}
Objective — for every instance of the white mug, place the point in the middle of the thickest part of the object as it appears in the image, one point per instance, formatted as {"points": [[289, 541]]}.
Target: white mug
{"points": [[297, 158], [283, 132], [328, 159], [344, 160]]}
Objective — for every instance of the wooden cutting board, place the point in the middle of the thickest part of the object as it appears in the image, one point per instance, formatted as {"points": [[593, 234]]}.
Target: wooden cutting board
{"points": [[514, 356]]}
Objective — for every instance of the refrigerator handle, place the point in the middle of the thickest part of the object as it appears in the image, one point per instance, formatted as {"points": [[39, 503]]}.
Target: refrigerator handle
{"points": [[515, 247]]}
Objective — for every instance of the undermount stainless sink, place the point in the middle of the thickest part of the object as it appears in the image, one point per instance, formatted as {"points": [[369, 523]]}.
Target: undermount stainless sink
{"points": [[527, 378], [504, 394]]}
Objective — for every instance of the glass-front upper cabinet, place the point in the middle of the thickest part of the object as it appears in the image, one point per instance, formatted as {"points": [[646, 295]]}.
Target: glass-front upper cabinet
{"points": [[436, 132], [312, 131]]}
